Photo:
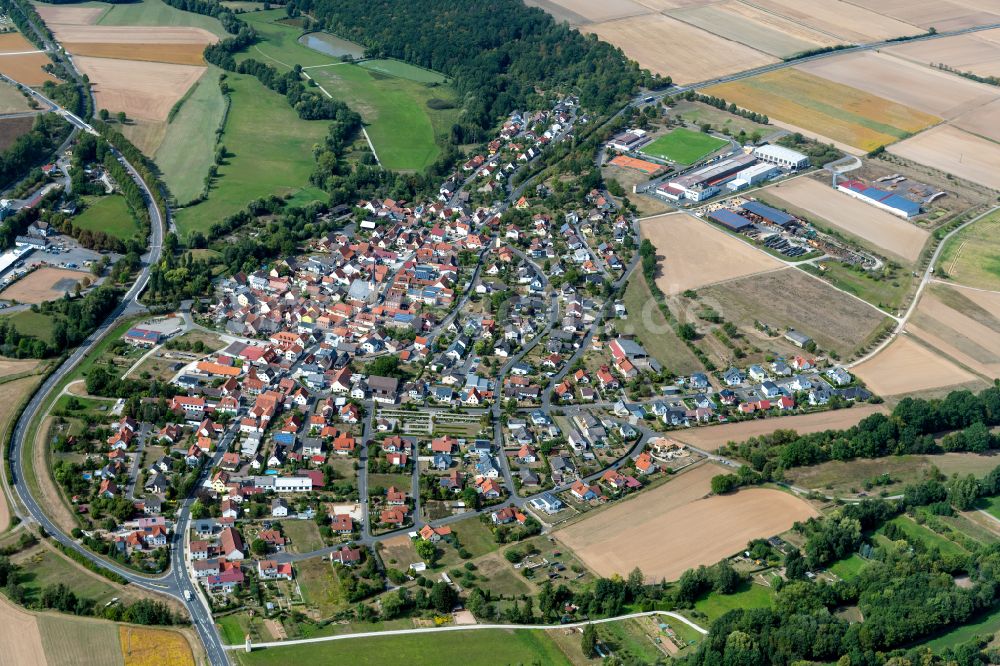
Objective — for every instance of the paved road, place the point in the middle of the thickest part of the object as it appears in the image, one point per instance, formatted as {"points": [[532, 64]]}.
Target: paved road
{"points": [[174, 582]]}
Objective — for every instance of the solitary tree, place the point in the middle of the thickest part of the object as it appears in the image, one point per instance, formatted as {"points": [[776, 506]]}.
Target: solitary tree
{"points": [[103, 114], [122, 117]]}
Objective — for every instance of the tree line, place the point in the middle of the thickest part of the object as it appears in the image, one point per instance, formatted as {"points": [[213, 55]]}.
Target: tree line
{"points": [[33, 148], [73, 320]]}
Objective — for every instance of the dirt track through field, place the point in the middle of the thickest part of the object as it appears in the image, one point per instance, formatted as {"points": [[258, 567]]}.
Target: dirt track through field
{"points": [[881, 229], [696, 253], [953, 151], [711, 438], [19, 636], [906, 366], [670, 529]]}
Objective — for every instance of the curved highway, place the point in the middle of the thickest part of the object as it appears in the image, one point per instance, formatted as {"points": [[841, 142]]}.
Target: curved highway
{"points": [[175, 581]]}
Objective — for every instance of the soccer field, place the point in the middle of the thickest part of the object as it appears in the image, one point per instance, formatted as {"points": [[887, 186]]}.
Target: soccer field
{"points": [[683, 146]]}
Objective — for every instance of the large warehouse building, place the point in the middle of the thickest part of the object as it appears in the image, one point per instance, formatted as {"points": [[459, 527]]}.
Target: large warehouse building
{"points": [[706, 181], [781, 156], [887, 201]]}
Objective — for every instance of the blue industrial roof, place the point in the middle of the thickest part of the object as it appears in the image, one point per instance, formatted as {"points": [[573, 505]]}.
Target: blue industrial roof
{"points": [[770, 214], [900, 203], [729, 219]]}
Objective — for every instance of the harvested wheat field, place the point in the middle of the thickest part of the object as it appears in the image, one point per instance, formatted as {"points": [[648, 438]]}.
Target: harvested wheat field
{"points": [[948, 320], [928, 90], [143, 35], [845, 21], [953, 151], [694, 253], [591, 11], [907, 366], [26, 68], [978, 52], [829, 109], [753, 27], [684, 52], [19, 635], [884, 231], [710, 438], [942, 15], [57, 15], [143, 90], [791, 298], [982, 121], [14, 42], [44, 284], [672, 528], [13, 128], [178, 54]]}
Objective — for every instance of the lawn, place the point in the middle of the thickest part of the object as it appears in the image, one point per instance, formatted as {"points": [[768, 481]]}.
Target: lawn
{"points": [[34, 324], [480, 647], [320, 586], [391, 96], [157, 13], [188, 148], [65, 638], [474, 536], [304, 535], [270, 151], [109, 214], [990, 505], [848, 568], [972, 256], [750, 595], [401, 481], [683, 146], [646, 322]]}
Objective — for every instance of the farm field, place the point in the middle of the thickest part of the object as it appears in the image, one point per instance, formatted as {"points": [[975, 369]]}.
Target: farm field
{"points": [[20, 636], [274, 157], [84, 13], [188, 147], [844, 20], [674, 527], [109, 214], [981, 121], [43, 284], [711, 438], [26, 68], [790, 298], [33, 324], [950, 322], [12, 100], [12, 128], [694, 253], [749, 25], [143, 90], [15, 42], [923, 88], [65, 638], [907, 366], [179, 54], [880, 230], [647, 323], [940, 14], [141, 646], [839, 112], [478, 647], [975, 52], [956, 152], [591, 11], [671, 47], [683, 146], [158, 13]]}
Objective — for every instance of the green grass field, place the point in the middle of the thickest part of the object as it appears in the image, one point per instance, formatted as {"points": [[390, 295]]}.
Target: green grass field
{"points": [[647, 323], [888, 293], [34, 324], [930, 538], [481, 647], [320, 586], [683, 146], [304, 535], [972, 256], [270, 153], [157, 13], [66, 638], [474, 536], [46, 568], [391, 96], [848, 568], [188, 148], [109, 214], [750, 596], [986, 624]]}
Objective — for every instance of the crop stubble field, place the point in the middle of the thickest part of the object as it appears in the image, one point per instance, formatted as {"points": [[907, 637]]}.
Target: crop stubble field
{"points": [[826, 108], [791, 298], [907, 366], [696, 253], [940, 14], [963, 329], [672, 528], [18, 61], [954, 151], [19, 635], [976, 52], [879, 229]]}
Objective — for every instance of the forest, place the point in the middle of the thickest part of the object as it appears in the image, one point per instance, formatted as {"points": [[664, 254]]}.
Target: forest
{"points": [[32, 149]]}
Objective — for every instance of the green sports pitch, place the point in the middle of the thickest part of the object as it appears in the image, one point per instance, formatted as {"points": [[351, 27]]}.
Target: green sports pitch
{"points": [[683, 146]]}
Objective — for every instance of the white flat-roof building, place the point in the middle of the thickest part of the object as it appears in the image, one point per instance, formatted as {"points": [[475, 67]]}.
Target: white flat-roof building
{"points": [[752, 176], [783, 157]]}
